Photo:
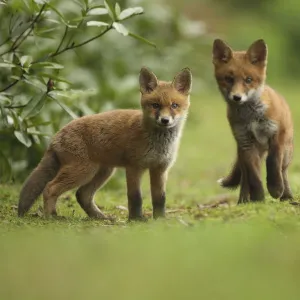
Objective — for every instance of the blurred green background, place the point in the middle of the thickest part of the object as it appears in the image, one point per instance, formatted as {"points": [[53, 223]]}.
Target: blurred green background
{"points": [[211, 252]]}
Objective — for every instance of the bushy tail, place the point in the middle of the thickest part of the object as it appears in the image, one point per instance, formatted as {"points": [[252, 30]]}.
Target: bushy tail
{"points": [[36, 182]]}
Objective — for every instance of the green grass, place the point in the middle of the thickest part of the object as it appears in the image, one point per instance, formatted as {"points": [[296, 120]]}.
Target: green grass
{"points": [[215, 251]]}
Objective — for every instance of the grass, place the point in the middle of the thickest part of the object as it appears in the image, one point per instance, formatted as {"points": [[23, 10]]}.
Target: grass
{"points": [[207, 248]]}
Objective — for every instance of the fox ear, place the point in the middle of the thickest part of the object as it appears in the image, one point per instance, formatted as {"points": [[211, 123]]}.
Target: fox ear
{"points": [[182, 82], [221, 52], [258, 52], [148, 81]]}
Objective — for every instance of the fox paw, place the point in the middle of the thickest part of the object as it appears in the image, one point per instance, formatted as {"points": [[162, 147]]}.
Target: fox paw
{"points": [[276, 191]]}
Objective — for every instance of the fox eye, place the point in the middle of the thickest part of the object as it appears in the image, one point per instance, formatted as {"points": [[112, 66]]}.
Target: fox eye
{"points": [[155, 105], [174, 105], [229, 79], [248, 79]]}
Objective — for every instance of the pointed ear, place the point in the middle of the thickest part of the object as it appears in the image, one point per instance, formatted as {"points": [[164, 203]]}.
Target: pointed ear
{"points": [[148, 81], [258, 52], [221, 52], [182, 82]]}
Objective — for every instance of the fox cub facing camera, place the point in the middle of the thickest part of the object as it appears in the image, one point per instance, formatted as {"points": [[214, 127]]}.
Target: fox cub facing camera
{"points": [[260, 121], [86, 151]]}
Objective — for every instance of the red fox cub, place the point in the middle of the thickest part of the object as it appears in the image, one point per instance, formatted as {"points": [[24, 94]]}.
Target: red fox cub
{"points": [[260, 121], [85, 152]]}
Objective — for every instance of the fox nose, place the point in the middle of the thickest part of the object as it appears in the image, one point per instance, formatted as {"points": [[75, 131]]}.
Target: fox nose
{"points": [[165, 121], [237, 98]]}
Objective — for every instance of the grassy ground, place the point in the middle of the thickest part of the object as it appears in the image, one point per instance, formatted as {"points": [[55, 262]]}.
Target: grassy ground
{"points": [[208, 247]]}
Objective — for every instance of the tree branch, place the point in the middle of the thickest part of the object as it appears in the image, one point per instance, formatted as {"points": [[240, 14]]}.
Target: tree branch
{"points": [[10, 85], [14, 106], [73, 46], [62, 40], [15, 44]]}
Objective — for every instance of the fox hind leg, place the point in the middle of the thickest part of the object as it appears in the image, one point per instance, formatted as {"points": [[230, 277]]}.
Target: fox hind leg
{"points": [[85, 193], [68, 177]]}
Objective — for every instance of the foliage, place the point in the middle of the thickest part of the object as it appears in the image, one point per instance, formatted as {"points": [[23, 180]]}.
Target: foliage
{"points": [[54, 67], [30, 74]]}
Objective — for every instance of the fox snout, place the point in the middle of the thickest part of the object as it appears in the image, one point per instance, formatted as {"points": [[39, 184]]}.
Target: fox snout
{"points": [[164, 120], [238, 97]]}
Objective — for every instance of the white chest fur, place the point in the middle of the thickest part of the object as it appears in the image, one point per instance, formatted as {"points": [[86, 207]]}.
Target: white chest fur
{"points": [[263, 130], [250, 125], [162, 149]]}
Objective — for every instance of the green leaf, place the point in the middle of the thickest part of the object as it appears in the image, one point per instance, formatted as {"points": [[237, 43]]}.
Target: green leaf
{"points": [[16, 61], [55, 78], [78, 3], [140, 38], [98, 11], [36, 124], [64, 107], [18, 122], [58, 13], [4, 116], [96, 23], [120, 28], [26, 60], [4, 100], [34, 106], [5, 168], [48, 65], [117, 9], [129, 12], [61, 16], [46, 32], [53, 21], [34, 82], [7, 65], [41, 1], [110, 10], [23, 137], [34, 131], [15, 77]]}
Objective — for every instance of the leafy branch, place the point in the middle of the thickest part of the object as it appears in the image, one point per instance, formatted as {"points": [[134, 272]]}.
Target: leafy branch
{"points": [[10, 85], [23, 37], [20, 112], [73, 46]]}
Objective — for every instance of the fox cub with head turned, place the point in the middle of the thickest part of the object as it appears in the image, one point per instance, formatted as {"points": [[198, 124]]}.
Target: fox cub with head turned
{"points": [[86, 151], [260, 121]]}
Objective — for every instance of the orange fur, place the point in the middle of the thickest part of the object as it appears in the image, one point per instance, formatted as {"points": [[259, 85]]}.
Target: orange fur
{"points": [[260, 120], [88, 149]]}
